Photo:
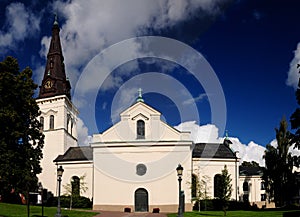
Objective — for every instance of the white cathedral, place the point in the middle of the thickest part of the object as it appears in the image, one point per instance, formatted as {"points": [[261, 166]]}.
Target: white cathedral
{"points": [[133, 163]]}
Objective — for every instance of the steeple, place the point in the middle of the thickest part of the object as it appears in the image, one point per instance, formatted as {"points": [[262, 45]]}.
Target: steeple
{"points": [[55, 81]]}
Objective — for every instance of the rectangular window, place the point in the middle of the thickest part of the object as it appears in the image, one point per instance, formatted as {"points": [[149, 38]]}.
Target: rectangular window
{"points": [[262, 186], [263, 197], [51, 123], [42, 123]]}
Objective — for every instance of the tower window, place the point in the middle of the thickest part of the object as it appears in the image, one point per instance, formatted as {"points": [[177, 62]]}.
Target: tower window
{"points": [[51, 123], [140, 129], [42, 123]]}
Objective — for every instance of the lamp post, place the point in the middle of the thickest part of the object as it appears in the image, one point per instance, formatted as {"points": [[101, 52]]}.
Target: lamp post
{"points": [[42, 199], [236, 176], [60, 172], [179, 174]]}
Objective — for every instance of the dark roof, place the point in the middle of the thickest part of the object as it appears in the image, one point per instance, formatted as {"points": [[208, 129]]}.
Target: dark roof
{"points": [[81, 153], [212, 150], [250, 171]]}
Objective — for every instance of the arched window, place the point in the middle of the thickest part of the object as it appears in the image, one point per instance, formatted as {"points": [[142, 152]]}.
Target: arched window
{"points": [[218, 186], [245, 186], [194, 185], [75, 182], [140, 129], [42, 123], [51, 123], [71, 126]]}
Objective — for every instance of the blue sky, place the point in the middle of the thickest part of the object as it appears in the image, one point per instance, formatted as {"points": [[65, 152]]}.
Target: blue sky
{"points": [[250, 45]]}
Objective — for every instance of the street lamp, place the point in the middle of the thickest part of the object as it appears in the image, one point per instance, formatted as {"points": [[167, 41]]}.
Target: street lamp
{"points": [[41, 192], [179, 174], [60, 172]]}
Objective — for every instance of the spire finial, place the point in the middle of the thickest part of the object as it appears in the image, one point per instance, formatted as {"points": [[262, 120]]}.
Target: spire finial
{"points": [[55, 19], [226, 135], [140, 97]]}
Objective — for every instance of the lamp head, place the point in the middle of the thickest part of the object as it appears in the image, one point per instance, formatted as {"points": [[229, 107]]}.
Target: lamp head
{"points": [[179, 170], [60, 171]]}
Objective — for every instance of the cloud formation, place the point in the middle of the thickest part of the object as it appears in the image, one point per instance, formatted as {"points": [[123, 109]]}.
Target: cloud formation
{"points": [[20, 23], [209, 134], [293, 73], [89, 28]]}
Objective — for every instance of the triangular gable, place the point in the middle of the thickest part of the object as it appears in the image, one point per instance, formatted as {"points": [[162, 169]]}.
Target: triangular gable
{"points": [[138, 105], [140, 116]]}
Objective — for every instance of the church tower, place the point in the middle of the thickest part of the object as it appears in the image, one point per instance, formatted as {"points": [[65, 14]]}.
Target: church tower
{"points": [[58, 114]]}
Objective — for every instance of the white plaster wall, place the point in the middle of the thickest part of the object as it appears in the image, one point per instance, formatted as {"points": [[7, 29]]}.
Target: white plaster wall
{"points": [[210, 167], [255, 190], [58, 140], [78, 169], [155, 129], [162, 190]]}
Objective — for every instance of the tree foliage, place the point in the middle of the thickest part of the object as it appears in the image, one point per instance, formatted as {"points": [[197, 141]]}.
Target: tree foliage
{"points": [[21, 141], [278, 175], [76, 187], [295, 118], [224, 188], [250, 164]]}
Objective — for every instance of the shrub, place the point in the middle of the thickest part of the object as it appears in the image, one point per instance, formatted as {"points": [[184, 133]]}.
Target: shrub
{"points": [[77, 202], [216, 205]]}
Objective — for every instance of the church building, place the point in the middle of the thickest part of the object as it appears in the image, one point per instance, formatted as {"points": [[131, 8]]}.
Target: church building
{"points": [[133, 163]]}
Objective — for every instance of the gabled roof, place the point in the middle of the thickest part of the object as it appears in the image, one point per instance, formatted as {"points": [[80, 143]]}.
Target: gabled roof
{"points": [[212, 150], [250, 171], [82, 153]]}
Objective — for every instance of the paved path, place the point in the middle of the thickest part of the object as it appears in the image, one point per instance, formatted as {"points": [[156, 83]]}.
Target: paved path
{"points": [[124, 214]]}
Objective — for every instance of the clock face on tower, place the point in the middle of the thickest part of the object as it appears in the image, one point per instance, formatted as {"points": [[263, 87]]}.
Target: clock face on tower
{"points": [[48, 84]]}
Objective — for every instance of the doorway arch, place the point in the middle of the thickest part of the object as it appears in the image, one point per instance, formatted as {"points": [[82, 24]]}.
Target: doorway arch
{"points": [[141, 200]]}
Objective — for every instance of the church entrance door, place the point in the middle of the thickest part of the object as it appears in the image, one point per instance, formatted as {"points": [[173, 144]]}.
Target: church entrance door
{"points": [[141, 200]]}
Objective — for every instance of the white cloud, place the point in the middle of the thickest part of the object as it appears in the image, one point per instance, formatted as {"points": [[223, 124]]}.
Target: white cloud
{"points": [[248, 152], [20, 23], [293, 73], [82, 131], [209, 133], [196, 99], [200, 134], [89, 28]]}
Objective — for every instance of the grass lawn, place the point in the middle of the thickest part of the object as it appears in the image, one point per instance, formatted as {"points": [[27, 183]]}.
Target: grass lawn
{"points": [[12, 210], [263, 213]]}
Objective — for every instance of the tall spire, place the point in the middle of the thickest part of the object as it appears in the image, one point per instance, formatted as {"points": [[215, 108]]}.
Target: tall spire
{"points": [[55, 81]]}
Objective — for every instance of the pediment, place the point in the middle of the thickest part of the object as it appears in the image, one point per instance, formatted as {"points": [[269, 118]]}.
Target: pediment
{"points": [[140, 116], [140, 107], [49, 112]]}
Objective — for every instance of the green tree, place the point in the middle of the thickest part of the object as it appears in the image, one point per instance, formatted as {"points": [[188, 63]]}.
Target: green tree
{"points": [[75, 187], [21, 141], [224, 188], [278, 175], [295, 119], [250, 164], [200, 187]]}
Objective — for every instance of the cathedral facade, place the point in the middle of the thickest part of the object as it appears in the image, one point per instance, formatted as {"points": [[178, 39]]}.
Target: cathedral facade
{"points": [[133, 163]]}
